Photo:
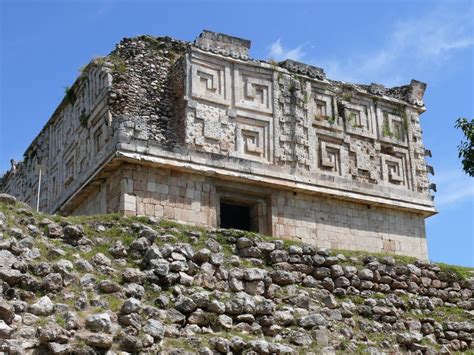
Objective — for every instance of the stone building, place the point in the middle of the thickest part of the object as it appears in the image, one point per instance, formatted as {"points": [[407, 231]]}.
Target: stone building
{"points": [[202, 134]]}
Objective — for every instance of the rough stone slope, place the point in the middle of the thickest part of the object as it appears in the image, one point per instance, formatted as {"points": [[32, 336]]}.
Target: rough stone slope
{"points": [[109, 284]]}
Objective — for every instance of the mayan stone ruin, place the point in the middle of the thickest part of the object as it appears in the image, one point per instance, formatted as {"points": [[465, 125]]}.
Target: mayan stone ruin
{"points": [[202, 134]]}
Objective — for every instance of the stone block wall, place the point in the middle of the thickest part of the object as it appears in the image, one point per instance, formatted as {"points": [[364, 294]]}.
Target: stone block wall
{"points": [[182, 197], [337, 224], [325, 222], [168, 128], [105, 196], [72, 145]]}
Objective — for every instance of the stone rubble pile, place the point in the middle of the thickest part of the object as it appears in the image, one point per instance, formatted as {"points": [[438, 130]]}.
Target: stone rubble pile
{"points": [[142, 86], [146, 286]]}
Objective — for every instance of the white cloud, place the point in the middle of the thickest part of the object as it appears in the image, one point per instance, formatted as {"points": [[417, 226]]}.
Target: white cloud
{"points": [[412, 46], [105, 7], [454, 187], [278, 52], [454, 197]]}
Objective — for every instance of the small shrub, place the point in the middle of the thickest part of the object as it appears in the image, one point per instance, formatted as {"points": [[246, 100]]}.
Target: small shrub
{"points": [[70, 96], [119, 65], [83, 118]]}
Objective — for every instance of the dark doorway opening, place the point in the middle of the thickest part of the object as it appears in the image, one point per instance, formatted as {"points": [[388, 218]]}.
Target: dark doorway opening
{"points": [[235, 216]]}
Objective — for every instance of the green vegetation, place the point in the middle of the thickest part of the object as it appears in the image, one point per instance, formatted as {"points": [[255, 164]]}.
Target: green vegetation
{"points": [[182, 343], [292, 88], [42, 321], [444, 313], [104, 230], [118, 63], [70, 96], [83, 118], [347, 96], [118, 227], [60, 320], [466, 148], [405, 123], [401, 259], [305, 98], [331, 119], [377, 338], [402, 112], [455, 272], [114, 303], [98, 61], [386, 130]]}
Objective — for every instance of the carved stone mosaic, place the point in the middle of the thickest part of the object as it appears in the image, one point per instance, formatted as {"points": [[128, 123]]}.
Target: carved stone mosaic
{"points": [[253, 89], [210, 80], [330, 157], [394, 169], [210, 129], [324, 109], [253, 137], [364, 157], [360, 118]]}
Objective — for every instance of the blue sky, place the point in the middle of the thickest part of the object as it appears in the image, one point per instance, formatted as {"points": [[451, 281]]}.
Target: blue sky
{"points": [[44, 43]]}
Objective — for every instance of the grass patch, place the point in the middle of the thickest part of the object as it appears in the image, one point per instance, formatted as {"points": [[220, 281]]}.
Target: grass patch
{"points": [[60, 320], [400, 259], [455, 272], [102, 248], [151, 295], [118, 63], [119, 227], [184, 344], [100, 218], [377, 337], [444, 314], [42, 321]]}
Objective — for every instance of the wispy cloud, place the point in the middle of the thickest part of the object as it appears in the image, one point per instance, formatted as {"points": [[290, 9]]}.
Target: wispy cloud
{"points": [[104, 7], [411, 46], [278, 52], [454, 187]]}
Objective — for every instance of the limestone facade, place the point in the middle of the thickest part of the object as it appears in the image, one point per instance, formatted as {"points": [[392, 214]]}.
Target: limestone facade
{"points": [[175, 130]]}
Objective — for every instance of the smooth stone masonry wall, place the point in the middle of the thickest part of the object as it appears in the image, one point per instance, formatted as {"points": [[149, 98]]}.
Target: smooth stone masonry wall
{"points": [[316, 220]]}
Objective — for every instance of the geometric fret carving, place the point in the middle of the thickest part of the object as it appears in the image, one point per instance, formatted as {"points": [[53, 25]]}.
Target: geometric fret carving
{"points": [[330, 157], [393, 125], [360, 118], [348, 130], [324, 109], [394, 169], [253, 138], [210, 80], [253, 141], [253, 90], [395, 173]]}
